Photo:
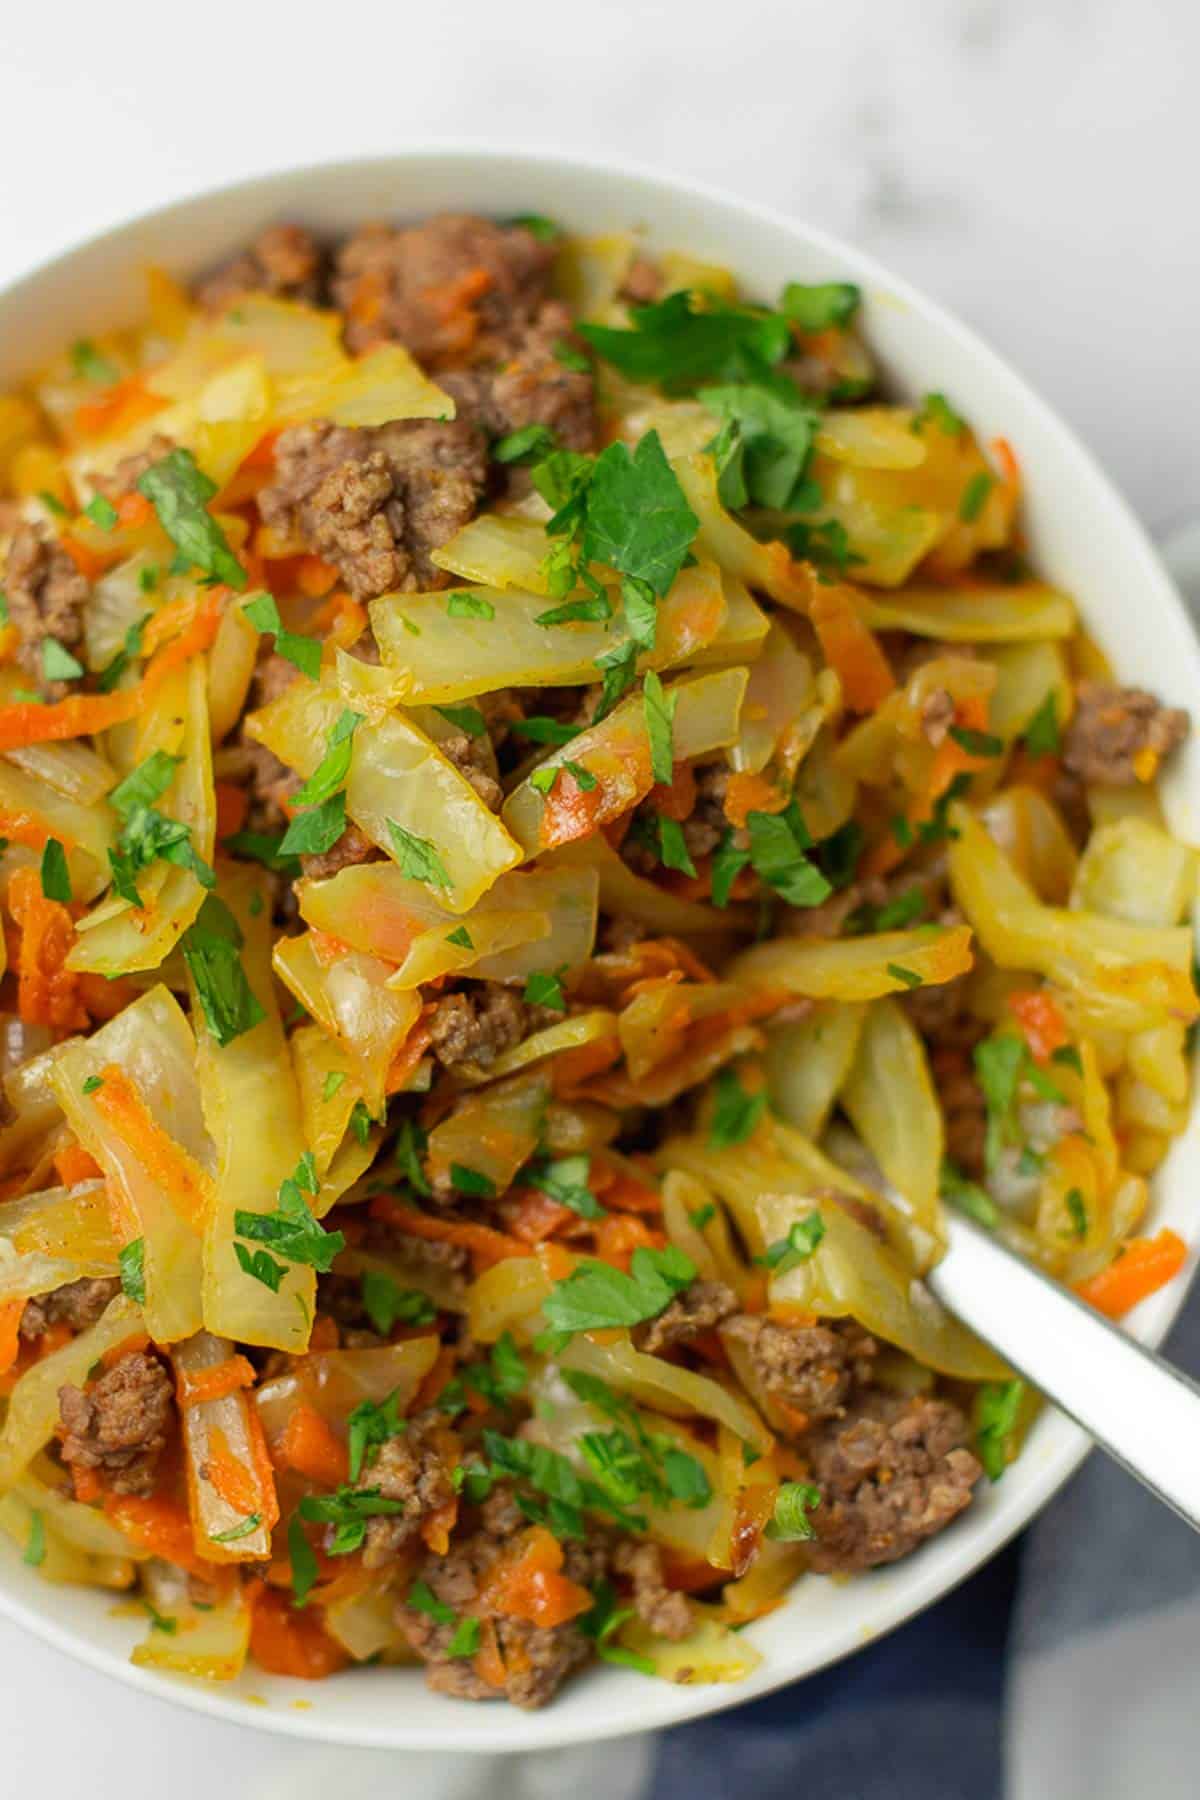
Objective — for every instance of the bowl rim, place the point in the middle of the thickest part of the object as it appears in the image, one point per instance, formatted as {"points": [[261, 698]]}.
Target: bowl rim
{"points": [[926, 1580]]}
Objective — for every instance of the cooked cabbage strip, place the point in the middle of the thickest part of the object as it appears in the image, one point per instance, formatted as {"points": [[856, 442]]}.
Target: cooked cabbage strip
{"points": [[251, 1079], [349, 997], [396, 774], [616, 752], [32, 1417], [891, 1102], [862, 968], [449, 657], [231, 1485], [31, 811], [975, 613], [492, 1133]]}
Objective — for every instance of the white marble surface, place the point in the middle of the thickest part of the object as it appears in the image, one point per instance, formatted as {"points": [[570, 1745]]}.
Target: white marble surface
{"points": [[1031, 162]]}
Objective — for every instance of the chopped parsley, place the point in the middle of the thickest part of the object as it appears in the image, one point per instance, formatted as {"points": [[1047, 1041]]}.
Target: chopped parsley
{"points": [[472, 1181], [302, 1557], [303, 652], [974, 496], [91, 365], [1042, 735], [735, 1113], [57, 662], [1002, 1064], [603, 1621], [997, 1409], [348, 1511], [596, 608], [595, 1295], [418, 857], [334, 766], [211, 947], [672, 846], [372, 1424], [461, 938], [1078, 1213], [571, 358], [703, 1215], [765, 446], [465, 1641], [262, 847], [545, 230], [935, 409], [146, 834], [410, 1145], [333, 1081], [316, 829], [387, 1304], [131, 1261], [541, 730], [545, 778], [131, 646], [727, 864], [906, 977], [291, 1229], [101, 511], [968, 1196], [249, 1524], [799, 1244], [542, 989], [688, 338], [818, 306], [777, 845], [91, 1085], [179, 492], [465, 718], [658, 708], [35, 1548], [464, 605], [421, 1598], [56, 877], [977, 743], [524, 445], [566, 1181]]}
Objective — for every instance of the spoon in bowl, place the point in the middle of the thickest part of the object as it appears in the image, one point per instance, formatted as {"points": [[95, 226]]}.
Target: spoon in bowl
{"points": [[1139, 1409]]}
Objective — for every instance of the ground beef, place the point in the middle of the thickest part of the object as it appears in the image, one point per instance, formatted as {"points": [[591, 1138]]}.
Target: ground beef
{"points": [[120, 1425], [416, 1253], [663, 1610], [703, 831], [284, 260], [47, 597], [352, 847], [1113, 726], [454, 286], [892, 1473], [699, 1307], [964, 1110], [538, 1661], [501, 711], [618, 932], [530, 385], [375, 502], [469, 756], [415, 1469], [78, 1304], [129, 471], [481, 1022], [809, 1368]]}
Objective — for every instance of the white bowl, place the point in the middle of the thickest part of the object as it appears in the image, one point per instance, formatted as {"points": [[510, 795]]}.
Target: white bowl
{"points": [[1082, 536]]}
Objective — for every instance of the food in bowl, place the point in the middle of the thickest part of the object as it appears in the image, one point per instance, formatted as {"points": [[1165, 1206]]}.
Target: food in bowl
{"points": [[549, 828]]}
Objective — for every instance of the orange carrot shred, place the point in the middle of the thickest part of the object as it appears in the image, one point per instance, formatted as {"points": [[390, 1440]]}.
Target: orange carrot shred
{"points": [[166, 1163], [311, 1447], [1144, 1266], [216, 1381]]}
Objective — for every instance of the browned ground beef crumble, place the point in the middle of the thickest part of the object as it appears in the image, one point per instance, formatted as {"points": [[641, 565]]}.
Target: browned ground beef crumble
{"points": [[120, 1424]]}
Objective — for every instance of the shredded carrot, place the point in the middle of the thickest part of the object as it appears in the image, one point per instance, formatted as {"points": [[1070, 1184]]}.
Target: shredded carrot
{"points": [[75, 1164], [165, 1162], [488, 1663], [285, 1641], [315, 578], [159, 1525], [216, 1381], [536, 1216], [91, 563], [31, 830], [87, 1484], [231, 1477], [1144, 1266], [851, 648], [752, 793], [1041, 1021], [134, 509], [311, 1447], [325, 1334], [232, 805], [1010, 466], [103, 998], [485, 1245], [618, 1236], [10, 1341], [571, 1068], [675, 799], [124, 406], [406, 1059], [47, 991], [441, 1372], [195, 637], [349, 623], [525, 1582], [624, 1194]]}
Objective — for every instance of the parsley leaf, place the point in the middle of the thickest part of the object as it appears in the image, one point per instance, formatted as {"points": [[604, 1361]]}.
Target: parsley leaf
{"points": [[35, 1549], [638, 519], [977, 743], [543, 989], [974, 496], [465, 718], [1001, 1065], [303, 652], [465, 1641], [410, 1145], [997, 1409], [816, 306], [735, 1112], [422, 1599], [387, 1304], [370, 1425], [418, 857], [596, 1295], [292, 1230], [241, 1530], [968, 1196], [179, 492], [348, 1511], [906, 977], [541, 730], [658, 708], [523, 445], [146, 784], [566, 1180], [727, 864], [146, 833], [262, 847], [545, 230], [88, 363], [461, 938], [935, 409], [57, 662], [799, 1244], [101, 511], [1042, 734], [316, 829], [777, 845], [596, 608], [689, 338], [334, 766], [774, 436], [472, 1181], [56, 877], [571, 358], [131, 1261], [464, 605], [1078, 1212], [672, 846], [131, 646], [210, 949]]}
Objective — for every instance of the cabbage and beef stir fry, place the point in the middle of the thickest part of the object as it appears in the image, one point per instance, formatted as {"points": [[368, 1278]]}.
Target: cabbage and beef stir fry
{"points": [[548, 828]]}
